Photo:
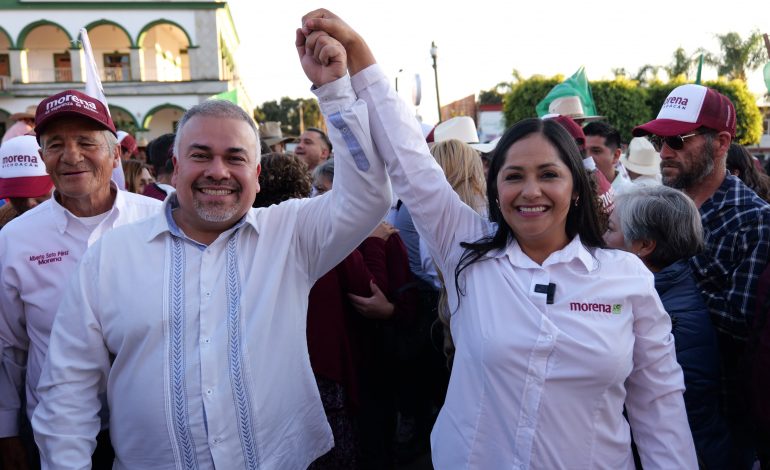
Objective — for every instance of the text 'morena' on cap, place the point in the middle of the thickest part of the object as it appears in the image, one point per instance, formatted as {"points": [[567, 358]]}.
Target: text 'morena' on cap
{"points": [[690, 107], [71, 103]]}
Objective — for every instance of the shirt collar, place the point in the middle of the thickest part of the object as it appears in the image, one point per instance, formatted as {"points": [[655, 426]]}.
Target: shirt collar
{"points": [[62, 215], [165, 221], [732, 191], [573, 250]]}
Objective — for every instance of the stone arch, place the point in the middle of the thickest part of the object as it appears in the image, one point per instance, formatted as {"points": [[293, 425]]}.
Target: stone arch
{"points": [[106, 22], [32, 26], [152, 24]]}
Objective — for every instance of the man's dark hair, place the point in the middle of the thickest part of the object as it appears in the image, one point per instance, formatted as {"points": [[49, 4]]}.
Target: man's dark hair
{"points": [[323, 135], [159, 152], [602, 129]]}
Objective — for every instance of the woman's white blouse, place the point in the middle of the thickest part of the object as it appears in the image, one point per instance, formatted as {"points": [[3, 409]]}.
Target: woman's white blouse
{"points": [[537, 385]]}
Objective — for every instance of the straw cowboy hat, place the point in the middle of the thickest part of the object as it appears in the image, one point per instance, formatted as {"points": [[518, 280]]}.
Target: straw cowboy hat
{"points": [[571, 106], [641, 157], [29, 113], [270, 133]]}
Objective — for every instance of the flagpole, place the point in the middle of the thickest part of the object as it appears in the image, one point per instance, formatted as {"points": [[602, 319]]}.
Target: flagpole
{"points": [[700, 69]]}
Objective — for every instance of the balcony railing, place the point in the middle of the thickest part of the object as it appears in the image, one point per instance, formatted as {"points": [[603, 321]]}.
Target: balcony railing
{"points": [[56, 74], [116, 74]]}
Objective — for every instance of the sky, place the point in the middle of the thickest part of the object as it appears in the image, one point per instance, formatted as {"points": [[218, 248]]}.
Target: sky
{"points": [[480, 42]]}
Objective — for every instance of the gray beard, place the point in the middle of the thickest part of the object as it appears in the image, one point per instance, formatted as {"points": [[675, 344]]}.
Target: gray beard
{"points": [[698, 171], [214, 213]]}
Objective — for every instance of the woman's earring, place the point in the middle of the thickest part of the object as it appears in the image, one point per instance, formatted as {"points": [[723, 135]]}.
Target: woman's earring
{"points": [[497, 201], [576, 201]]}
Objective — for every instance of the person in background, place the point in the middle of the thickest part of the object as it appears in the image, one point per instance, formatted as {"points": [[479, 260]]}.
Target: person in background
{"points": [[603, 145], [545, 352], [642, 162], [24, 123], [662, 227], [138, 176], [314, 147], [740, 163], [159, 155], [128, 145], [693, 132], [23, 179], [40, 251]]}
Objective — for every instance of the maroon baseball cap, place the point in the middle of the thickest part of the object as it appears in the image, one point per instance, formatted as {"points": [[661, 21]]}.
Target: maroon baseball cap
{"points": [[71, 103], [572, 127], [690, 107], [127, 142]]}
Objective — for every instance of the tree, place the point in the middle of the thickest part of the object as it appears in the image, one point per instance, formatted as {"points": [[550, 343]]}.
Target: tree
{"points": [[680, 65], [495, 94], [737, 56], [520, 102], [287, 112]]}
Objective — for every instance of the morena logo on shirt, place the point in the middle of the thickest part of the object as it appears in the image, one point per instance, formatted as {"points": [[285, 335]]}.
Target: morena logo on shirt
{"points": [[614, 309]]}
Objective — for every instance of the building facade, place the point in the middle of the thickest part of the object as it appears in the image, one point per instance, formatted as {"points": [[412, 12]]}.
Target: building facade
{"points": [[156, 58]]}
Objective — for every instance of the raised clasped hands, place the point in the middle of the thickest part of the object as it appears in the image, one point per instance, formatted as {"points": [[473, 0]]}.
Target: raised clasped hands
{"points": [[322, 57], [323, 23]]}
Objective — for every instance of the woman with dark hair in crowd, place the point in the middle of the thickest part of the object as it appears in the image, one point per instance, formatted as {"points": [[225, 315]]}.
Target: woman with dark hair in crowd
{"points": [[662, 226], [554, 334], [741, 164]]}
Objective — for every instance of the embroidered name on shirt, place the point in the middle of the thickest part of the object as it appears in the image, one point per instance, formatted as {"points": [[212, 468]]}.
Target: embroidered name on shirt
{"points": [[49, 257], [614, 309]]}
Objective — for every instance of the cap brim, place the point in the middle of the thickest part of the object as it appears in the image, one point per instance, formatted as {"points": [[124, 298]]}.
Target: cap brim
{"points": [[40, 127], [580, 119], [277, 140], [642, 170], [25, 186], [19, 116], [664, 128]]}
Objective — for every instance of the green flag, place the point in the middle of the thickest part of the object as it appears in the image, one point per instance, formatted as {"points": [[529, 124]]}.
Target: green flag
{"points": [[767, 76], [231, 96], [576, 85], [700, 69]]}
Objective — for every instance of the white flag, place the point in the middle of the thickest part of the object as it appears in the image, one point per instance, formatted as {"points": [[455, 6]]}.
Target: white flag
{"points": [[93, 82], [94, 89]]}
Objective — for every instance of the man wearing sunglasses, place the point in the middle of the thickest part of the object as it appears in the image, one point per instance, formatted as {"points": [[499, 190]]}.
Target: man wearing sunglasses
{"points": [[692, 133]]}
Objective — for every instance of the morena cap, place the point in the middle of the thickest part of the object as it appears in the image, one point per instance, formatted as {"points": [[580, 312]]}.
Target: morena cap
{"points": [[72, 103], [688, 108], [22, 171], [572, 127], [127, 142]]}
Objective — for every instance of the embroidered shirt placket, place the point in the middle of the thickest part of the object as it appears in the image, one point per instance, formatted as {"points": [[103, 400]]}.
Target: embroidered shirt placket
{"points": [[182, 435], [238, 380]]}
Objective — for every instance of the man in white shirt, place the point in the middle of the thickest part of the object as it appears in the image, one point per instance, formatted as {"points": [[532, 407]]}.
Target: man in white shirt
{"points": [[199, 336], [603, 145], [40, 249]]}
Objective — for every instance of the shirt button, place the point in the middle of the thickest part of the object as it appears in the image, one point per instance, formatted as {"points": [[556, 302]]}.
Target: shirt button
{"points": [[209, 392], [549, 338], [208, 294], [345, 130], [206, 340]]}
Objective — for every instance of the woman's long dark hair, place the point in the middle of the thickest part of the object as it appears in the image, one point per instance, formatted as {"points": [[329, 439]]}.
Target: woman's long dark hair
{"points": [[584, 219]]}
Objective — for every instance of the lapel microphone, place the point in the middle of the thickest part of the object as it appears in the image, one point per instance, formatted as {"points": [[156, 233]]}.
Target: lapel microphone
{"points": [[549, 290]]}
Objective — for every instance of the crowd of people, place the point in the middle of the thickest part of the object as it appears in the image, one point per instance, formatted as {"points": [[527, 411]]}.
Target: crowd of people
{"points": [[554, 300]]}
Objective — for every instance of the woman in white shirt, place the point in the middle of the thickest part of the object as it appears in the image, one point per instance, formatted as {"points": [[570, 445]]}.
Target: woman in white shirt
{"points": [[553, 333]]}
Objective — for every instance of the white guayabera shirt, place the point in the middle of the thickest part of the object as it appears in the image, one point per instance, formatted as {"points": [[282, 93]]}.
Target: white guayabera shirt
{"points": [[210, 366]]}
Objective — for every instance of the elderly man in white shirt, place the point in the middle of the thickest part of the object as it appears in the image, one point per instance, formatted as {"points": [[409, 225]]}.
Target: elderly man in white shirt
{"points": [[40, 250], [546, 356], [194, 320]]}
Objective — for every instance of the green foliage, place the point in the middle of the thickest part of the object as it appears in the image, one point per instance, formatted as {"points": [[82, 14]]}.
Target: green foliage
{"points": [[748, 127], [287, 112], [622, 101], [520, 102], [490, 97], [739, 56], [626, 104]]}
